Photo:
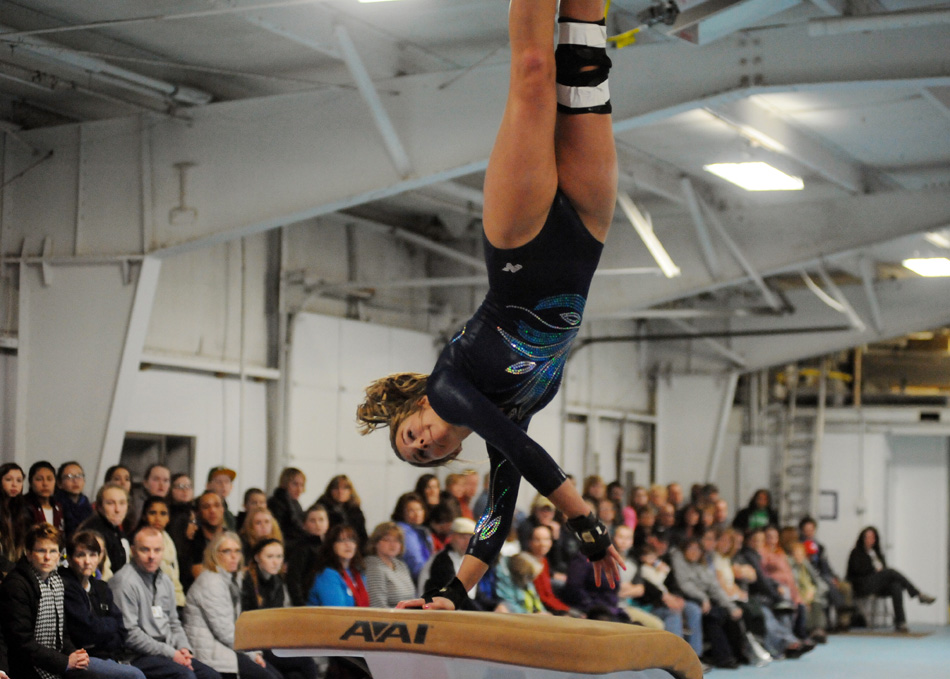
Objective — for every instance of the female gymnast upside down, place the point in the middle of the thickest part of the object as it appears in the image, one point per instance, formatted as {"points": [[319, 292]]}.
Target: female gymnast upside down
{"points": [[550, 190]]}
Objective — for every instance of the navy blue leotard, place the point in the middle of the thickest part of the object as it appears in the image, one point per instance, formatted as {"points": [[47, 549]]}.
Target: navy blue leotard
{"points": [[506, 362]]}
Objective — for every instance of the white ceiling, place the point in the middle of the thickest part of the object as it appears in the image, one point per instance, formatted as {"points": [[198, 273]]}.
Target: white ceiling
{"points": [[864, 116]]}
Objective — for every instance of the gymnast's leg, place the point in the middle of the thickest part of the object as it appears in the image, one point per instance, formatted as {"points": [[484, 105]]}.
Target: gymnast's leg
{"points": [[584, 141], [521, 178]]}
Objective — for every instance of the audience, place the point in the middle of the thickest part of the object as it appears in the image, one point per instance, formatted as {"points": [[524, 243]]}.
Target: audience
{"points": [[388, 579], [747, 593], [156, 483], [70, 483], [339, 578], [112, 505], [214, 604], [157, 641], [284, 504], [869, 574], [40, 503], [94, 621]]}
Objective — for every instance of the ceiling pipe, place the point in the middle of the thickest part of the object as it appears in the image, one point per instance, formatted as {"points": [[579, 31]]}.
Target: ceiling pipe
{"points": [[116, 75]]}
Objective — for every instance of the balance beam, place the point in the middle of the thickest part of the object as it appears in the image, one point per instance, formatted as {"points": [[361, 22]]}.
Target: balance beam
{"points": [[397, 644]]}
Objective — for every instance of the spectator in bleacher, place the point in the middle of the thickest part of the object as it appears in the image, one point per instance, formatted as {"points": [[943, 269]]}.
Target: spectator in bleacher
{"points": [[440, 523], [302, 561], [869, 574], [813, 591], [514, 584], [455, 490], [70, 483], [839, 591], [443, 565], [40, 503], [539, 546], [663, 595], [470, 488], [665, 518], [221, 481], [14, 521], [343, 506], [607, 512], [674, 495], [264, 587], [156, 483], [254, 498], [639, 498], [31, 598], [145, 595], [429, 489], [775, 564], [260, 525], [720, 614], [94, 621], [155, 513], [214, 604], [632, 587], [284, 504], [210, 514], [543, 514], [388, 579], [120, 474], [112, 505], [180, 506], [657, 496], [688, 526], [594, 486], [597, 602], [409, 514], [646, 522], [721, 515], [758, 514], [339, 579]]}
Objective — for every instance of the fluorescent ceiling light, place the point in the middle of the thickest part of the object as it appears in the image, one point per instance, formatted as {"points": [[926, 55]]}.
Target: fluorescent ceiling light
{"points": [[935, 266], [756, 176]]}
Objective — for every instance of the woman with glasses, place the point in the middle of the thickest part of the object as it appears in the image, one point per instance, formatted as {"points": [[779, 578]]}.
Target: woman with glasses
{"points": [[214, 604], [70, 484], [388, 579], [339, 580]]}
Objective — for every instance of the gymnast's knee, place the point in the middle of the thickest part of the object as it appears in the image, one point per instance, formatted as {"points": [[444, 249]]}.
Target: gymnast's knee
{"points": [[582, 67]]}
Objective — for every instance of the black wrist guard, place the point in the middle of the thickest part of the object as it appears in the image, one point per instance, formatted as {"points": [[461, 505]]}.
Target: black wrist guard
{"points": [[454, 591], [592, 534]]}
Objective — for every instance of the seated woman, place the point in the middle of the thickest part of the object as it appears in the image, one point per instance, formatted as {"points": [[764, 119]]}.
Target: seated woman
{"points": [[112, 506], [775, 565], [720, 615], [213, 605], [70, 484], [813, 590], [410, 514], [264, 587], [869, 574], [388, 579], [93, 619], [302, 562], [539, 546], [156, 513], [429, 489], [14, 521], [343, 506], [41, 505], [34, 623], [339, 580], [259, 525], [284, 503], [514, 585]]}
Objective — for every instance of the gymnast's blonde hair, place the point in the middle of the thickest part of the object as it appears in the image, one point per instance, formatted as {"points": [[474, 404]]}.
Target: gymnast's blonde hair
{"points": [[389, 401]]}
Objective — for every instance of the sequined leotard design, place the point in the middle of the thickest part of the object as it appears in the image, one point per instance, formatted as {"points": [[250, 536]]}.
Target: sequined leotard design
{"points": [[507, 361]]}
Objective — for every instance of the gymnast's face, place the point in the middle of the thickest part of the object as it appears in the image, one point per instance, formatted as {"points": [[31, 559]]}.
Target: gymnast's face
{"points": [[424, 438]]}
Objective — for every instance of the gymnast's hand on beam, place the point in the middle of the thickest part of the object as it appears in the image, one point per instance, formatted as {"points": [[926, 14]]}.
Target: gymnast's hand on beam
{"points": [[609, 567], [439, 603]]}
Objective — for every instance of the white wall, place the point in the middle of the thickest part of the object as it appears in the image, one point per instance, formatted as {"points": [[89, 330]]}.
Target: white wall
{"points": [[916, 533], [207, 408]]}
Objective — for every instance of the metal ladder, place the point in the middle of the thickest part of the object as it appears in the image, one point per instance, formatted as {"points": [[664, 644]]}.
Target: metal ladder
{"points": [[801, 451]]}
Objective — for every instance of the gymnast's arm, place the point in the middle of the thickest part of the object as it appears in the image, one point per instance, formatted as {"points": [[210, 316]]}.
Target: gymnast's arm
{"points": [[456, 400]]}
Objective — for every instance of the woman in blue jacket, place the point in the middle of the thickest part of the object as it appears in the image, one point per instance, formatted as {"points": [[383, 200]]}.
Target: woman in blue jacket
{"points": [[339, 580]]}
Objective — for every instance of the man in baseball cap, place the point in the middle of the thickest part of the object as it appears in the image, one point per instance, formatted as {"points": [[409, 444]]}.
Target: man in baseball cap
{"points": [[221, 480]]}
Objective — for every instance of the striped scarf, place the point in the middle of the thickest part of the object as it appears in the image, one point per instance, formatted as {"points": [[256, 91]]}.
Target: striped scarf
{"points": [[48, 631]]}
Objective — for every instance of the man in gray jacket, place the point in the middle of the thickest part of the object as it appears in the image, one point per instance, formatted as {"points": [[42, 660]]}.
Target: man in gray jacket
{"points": [[146, 597]]}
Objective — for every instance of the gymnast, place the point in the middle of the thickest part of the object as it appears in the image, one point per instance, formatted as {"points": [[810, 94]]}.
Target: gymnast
{"points": [[550, 190]]}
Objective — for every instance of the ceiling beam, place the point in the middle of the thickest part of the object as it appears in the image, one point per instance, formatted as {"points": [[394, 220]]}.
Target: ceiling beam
{"points": [[714, 19], [833, 165]]}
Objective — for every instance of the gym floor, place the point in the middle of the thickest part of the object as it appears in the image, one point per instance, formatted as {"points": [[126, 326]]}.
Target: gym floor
{"points": [[860, 654]]}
